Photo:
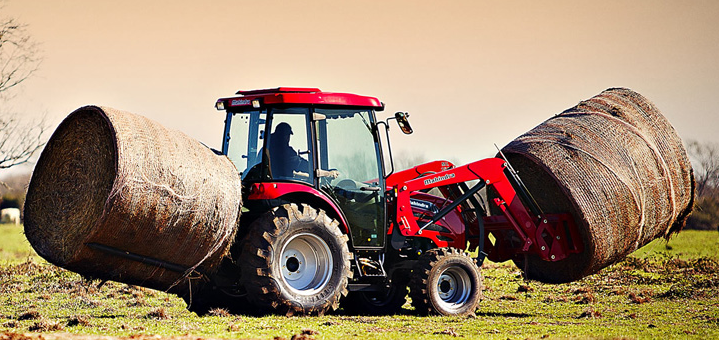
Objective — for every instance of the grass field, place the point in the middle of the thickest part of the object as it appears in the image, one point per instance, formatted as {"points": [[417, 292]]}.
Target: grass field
{"points": [[661, 291]]}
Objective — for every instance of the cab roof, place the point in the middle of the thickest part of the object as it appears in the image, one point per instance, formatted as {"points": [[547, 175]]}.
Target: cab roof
{"points": [[298, 96]]}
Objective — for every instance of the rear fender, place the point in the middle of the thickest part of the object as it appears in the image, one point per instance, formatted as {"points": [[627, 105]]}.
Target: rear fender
{"points": [[298, 193]]}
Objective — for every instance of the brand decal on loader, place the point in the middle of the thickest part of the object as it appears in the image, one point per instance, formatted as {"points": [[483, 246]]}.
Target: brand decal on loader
{"points": [[423, 205], [429, 181], [240, 102]]}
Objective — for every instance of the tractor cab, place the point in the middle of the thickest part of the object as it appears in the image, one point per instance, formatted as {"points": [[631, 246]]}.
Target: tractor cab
{"points": [[304, 145]]}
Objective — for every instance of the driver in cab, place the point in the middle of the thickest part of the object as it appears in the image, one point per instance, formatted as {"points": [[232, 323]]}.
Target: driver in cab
{"points": [[284, 160]]}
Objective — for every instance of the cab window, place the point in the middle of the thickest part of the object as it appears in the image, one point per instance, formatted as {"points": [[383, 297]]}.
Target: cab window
{"points": [[289, 147]]}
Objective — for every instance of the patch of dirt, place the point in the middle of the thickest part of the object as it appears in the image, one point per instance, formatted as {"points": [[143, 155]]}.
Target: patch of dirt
{"points": [[448, 331], [640, 297], [305, 334], [10, 324], [669, 265], [219, 312], [590, 313], [16, 336], [29, 315], [524, 289], [585, 299], [555, 298], [359, 319], [158, 314], [46, 326], [78, 320]]}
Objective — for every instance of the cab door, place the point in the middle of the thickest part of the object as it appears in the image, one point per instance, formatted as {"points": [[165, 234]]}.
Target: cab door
{"points": [[346, 144]]}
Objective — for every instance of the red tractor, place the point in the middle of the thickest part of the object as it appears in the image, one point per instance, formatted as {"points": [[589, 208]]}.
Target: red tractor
{"points": [[327, 220]]}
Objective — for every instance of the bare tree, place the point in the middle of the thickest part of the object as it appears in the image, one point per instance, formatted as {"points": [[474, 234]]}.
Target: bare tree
{"points": [[705, 160], [705, 157], [405, 160], [19, 59], [19, 55], [19, 140], [13, 190]]}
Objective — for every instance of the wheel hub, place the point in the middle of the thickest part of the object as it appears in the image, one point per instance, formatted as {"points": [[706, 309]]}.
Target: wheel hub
{"points": [[446, 286], [306, 263], [454, 287], [292, 264]]}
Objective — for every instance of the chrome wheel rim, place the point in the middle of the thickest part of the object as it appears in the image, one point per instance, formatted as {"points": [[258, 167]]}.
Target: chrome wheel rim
{"points": [[454, 288], [306, 264]]}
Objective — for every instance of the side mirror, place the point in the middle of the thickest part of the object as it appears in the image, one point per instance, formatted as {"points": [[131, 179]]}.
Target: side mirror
{"points": [[403, 122]]}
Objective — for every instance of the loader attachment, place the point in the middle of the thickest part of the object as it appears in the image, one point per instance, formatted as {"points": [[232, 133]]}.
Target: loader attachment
{"points": [[520, 228]]}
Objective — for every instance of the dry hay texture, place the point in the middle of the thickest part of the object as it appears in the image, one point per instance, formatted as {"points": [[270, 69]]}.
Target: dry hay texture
{"points": [[618, 166], [124, 181]]}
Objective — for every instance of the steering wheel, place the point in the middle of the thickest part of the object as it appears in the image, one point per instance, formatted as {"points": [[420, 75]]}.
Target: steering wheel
{"points": [[353, 190]]}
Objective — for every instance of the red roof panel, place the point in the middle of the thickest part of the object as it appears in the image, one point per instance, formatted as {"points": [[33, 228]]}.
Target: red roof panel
{"points": [[302, 96]]}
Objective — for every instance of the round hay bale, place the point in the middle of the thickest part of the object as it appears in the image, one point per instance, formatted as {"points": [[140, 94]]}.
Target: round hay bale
{"points": [[125, 183], [618, 166]]}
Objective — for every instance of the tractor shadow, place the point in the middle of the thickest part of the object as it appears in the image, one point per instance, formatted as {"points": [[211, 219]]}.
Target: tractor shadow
{"points": [[498, 314]]}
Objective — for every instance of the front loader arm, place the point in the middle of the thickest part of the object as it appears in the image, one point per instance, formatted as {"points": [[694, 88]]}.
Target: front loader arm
{"points": [[551, 236], [418, 171]]}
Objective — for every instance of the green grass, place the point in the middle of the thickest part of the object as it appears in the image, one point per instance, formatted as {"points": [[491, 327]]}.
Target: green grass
{"points": [[687, 244], [656, 293], [14, 247]]}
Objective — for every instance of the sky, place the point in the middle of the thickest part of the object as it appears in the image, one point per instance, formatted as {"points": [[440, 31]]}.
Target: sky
{"points": [[470, 73]]}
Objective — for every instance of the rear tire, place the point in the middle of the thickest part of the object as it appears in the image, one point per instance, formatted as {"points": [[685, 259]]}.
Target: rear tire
{"points": [[295, 262], [446, 281]]}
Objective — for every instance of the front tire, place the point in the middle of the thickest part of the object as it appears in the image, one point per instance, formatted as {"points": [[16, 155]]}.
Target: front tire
{"points": [[295, 262], [446, 281]]}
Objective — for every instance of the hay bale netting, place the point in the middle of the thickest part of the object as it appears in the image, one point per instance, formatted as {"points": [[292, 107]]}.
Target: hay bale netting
{"points": [[618, 166], [122, 181]]}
